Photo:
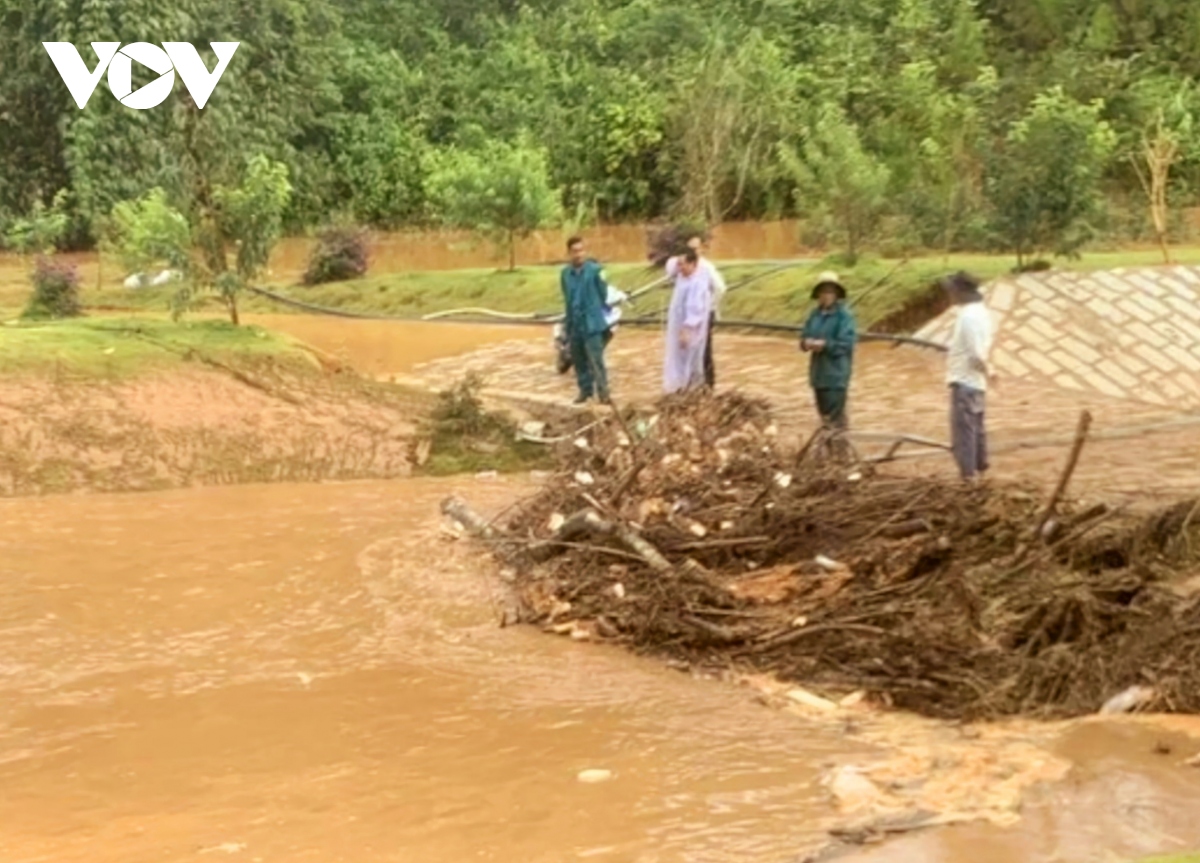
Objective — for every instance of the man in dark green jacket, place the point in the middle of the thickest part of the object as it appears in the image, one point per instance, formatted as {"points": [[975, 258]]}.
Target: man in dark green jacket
{"points": [[829, 335], [585, 294]]}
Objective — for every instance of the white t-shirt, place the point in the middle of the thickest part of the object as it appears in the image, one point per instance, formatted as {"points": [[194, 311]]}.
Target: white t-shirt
{"points": [[717, 283], [971, 340]]}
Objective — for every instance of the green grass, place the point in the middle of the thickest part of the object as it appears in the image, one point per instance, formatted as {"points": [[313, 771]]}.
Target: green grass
{"points": [[877, 287], [112, 347], [782, 297]]}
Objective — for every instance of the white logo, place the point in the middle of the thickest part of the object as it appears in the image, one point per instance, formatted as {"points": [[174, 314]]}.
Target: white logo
{"points": [[172, 57]]}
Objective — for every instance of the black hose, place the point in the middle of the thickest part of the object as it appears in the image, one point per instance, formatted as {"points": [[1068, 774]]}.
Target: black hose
{"points": [[539, 320]]}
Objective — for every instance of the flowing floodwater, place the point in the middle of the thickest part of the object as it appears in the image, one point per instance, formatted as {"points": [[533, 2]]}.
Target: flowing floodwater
{"points": [[314, 673]]}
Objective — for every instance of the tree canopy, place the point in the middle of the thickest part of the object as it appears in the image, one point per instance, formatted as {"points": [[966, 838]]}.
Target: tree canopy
{"points": [[899, 117]]}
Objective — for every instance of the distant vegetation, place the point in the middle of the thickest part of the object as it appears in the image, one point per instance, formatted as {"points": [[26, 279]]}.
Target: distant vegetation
{"points": [[1029, 127]]}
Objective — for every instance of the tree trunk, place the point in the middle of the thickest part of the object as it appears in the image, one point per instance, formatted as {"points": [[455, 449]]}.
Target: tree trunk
{"points": [[512, 252], [231, 301]]}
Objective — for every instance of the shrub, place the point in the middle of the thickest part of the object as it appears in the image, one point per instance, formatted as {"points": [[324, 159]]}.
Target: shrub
{"points": [[671, 240], [55, 291], [341, 254]]}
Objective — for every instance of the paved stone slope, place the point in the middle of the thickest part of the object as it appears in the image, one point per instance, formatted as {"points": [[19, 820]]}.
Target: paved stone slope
{"points": [[1132, 333]]}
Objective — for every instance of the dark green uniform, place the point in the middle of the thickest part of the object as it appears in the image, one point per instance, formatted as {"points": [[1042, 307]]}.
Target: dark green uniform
{"points": [[830, 369], [584, 295]]}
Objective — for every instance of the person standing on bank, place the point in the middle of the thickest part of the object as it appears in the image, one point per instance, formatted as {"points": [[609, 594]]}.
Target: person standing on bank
{"points": [[696, 244], [829, 335], [968, 374], [585, 297], [687, 323]]}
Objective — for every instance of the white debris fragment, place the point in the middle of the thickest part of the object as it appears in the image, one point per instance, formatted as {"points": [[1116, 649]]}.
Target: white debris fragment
{"points": [[584, 478], [581, 442], [855, 477], [771, 431], [783, 480], [698, 530], [557, 520], [727, 525], [618, 590], [807, 699], [828, 564], [592, 777], [1131, 699]]}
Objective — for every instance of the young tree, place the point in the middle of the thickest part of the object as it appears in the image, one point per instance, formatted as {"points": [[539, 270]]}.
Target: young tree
{"points": [[1166, 139], [42, 230], [1044, 184], [501, 191], [149, 233], [250, 218], [838, 179]]}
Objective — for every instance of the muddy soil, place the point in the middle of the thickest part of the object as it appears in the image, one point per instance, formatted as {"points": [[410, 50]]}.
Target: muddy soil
{"points": [[199, 425]]}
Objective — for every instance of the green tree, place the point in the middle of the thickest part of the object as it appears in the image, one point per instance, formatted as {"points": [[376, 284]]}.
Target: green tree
{"points": [[725, 118], [501, 191], [149, 233], [1044, 184], [42, 230], [838, 181], [250, 219]]}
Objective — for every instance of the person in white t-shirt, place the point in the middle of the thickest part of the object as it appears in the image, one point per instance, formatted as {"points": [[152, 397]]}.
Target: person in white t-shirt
{"points": [[968, 375], [696, 244]]}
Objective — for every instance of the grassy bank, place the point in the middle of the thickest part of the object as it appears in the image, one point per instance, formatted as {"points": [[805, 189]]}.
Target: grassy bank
{"points": [[879, 286], [116, 348]]}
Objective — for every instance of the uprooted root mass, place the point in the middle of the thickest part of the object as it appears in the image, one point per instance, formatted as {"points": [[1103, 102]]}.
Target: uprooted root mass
{"points": [[690, 532]]}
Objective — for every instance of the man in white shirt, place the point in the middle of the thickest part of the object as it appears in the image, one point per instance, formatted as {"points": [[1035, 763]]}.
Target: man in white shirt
{"points": [[696, 244], [968, 375]]}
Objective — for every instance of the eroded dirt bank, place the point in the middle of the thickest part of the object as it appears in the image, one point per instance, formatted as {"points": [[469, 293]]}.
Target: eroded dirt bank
{"points": [[200, 424]]}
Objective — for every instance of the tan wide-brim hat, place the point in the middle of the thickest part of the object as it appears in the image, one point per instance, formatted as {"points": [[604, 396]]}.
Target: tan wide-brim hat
{"points": [[829, 279]]}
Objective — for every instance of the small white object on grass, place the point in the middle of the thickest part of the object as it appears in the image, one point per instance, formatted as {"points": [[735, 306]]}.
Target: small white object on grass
{"points": [[783, 480], [584, 478]]}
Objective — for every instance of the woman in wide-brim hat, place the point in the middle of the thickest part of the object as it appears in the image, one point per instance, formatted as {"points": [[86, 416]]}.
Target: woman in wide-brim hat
{"points": [[829, 336]]}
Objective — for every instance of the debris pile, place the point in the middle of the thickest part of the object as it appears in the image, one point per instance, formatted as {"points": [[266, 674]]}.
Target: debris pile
{"points": [[692, 532]]}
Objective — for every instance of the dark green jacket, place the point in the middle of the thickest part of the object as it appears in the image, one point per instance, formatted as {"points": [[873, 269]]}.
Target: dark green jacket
{"points": [[831, 368], [584, 295]]}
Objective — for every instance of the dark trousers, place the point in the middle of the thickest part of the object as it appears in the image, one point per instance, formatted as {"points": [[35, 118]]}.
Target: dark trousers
{"points": [[968, 434], [831, 405], [710, 374], [587, 354]]}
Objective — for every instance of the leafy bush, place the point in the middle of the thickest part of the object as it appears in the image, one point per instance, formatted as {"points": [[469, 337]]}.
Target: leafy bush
{"points": [[668, 241], [340, 255], [460, 435], [55, 291]]}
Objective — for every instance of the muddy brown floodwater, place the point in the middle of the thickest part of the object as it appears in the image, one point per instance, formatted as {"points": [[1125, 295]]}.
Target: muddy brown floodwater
{"points": [[390, 347], [313, 673]]}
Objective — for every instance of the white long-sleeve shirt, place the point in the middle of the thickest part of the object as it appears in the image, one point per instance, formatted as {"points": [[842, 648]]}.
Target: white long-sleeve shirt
{"points": [[970, 343]]}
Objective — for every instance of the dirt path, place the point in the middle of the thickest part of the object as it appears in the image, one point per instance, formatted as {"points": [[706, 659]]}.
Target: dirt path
{"points": [[894, 390]]}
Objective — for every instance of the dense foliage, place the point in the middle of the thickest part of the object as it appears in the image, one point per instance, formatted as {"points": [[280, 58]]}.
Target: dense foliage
{"points": [[935, 123]]}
